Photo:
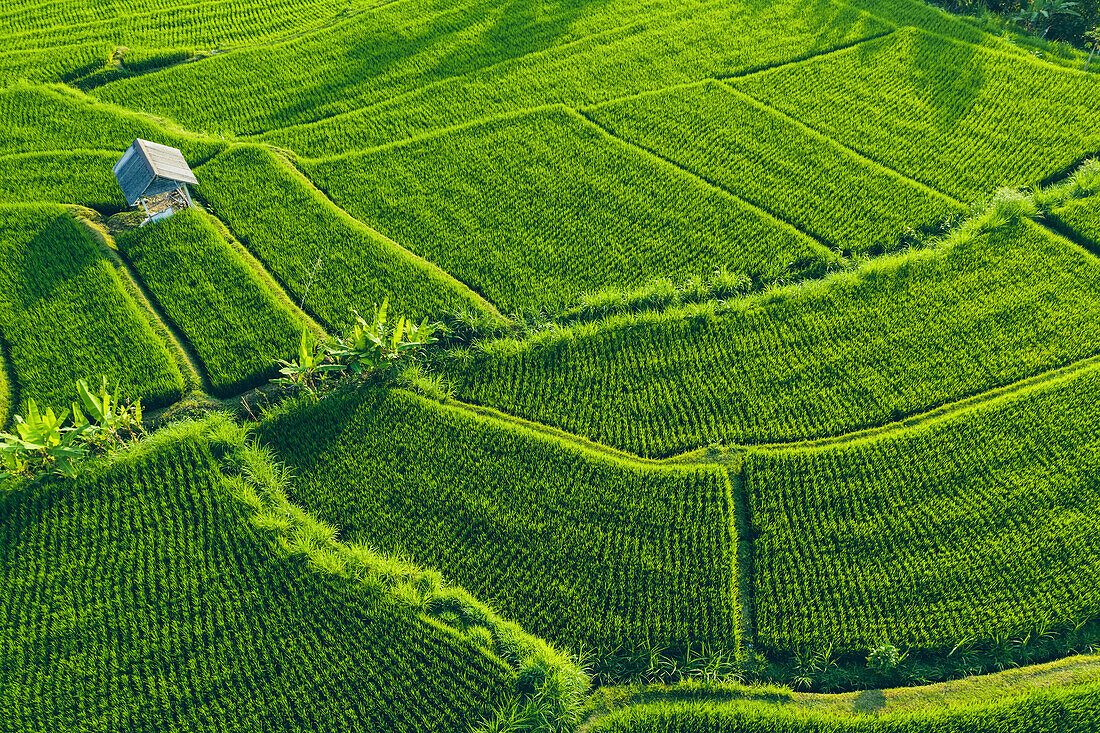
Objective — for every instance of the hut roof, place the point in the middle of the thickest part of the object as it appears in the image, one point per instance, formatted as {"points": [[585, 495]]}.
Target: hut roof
{"points": [[148, 169]]}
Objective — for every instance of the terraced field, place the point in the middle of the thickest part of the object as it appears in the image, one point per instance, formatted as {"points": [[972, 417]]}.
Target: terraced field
{"points": [[156, 573], [932, 571], [641, 216], [594, 551], [762, 395], [898, 336], [66, 313]]}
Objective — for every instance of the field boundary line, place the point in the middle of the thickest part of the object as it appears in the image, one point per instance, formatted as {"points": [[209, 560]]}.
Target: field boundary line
{"points": [[853, 151], [550, 431], [827, 251], [258, 136], [730, 455], [332, 22], [744, 554], [183, 353], [938, 414], [813, 132], [12, 383], [412, 256], [1061, 231], [289, 154], [893, 28]]}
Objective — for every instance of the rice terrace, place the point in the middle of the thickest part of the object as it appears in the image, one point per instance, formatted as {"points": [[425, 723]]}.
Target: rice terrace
{"points": [[556, 366]]}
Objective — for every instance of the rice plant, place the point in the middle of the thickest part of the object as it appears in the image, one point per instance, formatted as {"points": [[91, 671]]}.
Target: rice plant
{"points": [[578, 548], [616, 216], [962, 119], [65, 315], [897, 336], [226, 312], [288, 225], [980, 527]]}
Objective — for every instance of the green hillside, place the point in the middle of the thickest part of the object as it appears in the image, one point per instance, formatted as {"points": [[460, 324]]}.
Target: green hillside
{"points": [[549, 366]]}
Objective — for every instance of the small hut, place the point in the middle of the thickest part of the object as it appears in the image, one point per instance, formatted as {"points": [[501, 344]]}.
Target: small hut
{"points": [[156, 176]]}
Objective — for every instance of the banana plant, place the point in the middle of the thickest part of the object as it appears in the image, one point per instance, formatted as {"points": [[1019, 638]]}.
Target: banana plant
{"points": [[376, 347], [42, 446], [104, 410], [312, 366], [1047, 10], [381, 345]]}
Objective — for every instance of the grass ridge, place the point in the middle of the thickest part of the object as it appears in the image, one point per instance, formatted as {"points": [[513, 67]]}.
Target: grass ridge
{"points": [[261, 483]]}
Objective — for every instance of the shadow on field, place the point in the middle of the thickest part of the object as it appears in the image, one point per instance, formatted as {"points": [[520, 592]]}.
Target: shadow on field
{"points": [[450, 45], [53, 256], [869, 701], [948, 87], [521, 27], [835, 21]]}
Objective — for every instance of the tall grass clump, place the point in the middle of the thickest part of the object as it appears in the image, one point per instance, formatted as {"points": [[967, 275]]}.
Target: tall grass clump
{"points": [[1073, 708]]}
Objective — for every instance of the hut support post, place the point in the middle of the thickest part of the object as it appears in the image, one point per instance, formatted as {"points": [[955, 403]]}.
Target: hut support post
{"points": [[186, 195]]}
